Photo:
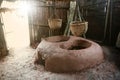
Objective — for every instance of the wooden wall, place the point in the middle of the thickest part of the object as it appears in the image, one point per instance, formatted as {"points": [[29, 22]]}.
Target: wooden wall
{"points": [[38, 19], [94, 11], [115, 20]]}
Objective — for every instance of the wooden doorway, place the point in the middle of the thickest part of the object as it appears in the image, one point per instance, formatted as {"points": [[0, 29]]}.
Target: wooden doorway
{"points": [[15, 26]]}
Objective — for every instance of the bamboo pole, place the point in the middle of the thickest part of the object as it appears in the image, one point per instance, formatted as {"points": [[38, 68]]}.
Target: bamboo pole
{"points": [[70, 18], [111, 13], [106, 19], [3, 46]]}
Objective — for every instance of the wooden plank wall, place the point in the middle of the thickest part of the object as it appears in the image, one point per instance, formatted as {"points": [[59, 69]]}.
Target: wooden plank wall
{"points": [[95, 14], [115, 21], [38, 19]]}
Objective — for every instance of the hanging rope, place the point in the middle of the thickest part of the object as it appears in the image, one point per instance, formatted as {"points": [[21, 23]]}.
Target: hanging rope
{"points": [[53, 14], [78, 14]]}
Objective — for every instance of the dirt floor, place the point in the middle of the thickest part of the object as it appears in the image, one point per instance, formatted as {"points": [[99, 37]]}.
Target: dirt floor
{"points": [[18, 65]]}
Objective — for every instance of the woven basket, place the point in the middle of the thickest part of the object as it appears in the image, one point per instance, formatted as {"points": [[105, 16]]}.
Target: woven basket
{"points": [[78, 28], [55, 23]]}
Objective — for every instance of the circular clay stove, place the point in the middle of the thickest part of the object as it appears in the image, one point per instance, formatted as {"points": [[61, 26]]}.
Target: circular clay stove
{"points": [[68, 54]]}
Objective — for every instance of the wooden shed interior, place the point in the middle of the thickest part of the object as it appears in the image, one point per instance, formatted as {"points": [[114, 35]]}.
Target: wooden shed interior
{"points": [[24, 24]]}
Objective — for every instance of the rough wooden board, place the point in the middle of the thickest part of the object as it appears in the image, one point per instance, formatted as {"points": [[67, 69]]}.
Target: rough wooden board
{"points": [[118, 41]]}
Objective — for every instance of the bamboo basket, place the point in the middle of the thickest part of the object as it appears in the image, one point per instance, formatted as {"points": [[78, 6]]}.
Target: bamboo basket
{"points": [[78, 28], [55, 23]]}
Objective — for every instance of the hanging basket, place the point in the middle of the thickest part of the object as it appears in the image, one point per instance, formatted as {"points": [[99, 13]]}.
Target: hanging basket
{"points": [[55, 23], [78, 28]]}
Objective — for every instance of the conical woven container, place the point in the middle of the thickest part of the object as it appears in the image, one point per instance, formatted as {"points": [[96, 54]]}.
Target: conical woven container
{"points": [[55, 23], [78, 28]]}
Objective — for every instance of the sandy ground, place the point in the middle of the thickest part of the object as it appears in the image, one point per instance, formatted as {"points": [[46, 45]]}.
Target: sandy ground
{"points": [[18, 65]]}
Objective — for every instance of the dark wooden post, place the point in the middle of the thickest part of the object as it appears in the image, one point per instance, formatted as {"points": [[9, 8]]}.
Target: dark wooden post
{"points": [[3, 47]]}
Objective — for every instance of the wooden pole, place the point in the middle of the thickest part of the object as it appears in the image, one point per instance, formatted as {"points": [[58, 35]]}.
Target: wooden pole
{"points": [[3, 46]]}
